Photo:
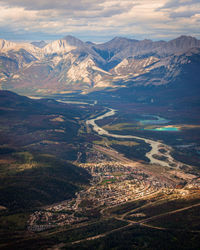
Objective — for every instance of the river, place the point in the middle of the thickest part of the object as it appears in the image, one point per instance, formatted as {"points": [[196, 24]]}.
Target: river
{"points": [[155, 145]]}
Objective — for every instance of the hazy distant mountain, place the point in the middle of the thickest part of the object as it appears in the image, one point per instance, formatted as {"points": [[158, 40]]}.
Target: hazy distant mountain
{"points": [[40, 44], [119, 48], [69, 64]]}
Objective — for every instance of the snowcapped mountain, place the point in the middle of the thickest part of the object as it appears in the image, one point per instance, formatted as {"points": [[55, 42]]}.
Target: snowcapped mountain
{"points": [[7, 46], [69, 64], [63, 46]]}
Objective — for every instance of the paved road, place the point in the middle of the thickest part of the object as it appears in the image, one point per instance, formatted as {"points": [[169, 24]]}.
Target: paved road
{"points": [[133, 223]]}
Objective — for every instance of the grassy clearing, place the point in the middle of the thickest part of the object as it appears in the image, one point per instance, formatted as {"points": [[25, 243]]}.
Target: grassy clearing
{"points": [[106, 142], [108, 181], [121, 126], [14, 222], [20, 161]]}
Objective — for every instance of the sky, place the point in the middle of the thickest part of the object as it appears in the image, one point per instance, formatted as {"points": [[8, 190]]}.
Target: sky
{"points": [[98, 20]]}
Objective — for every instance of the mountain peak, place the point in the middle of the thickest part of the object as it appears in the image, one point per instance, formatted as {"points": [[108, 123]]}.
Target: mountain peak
{"points": [[184, 42], [185, 37], [6, 45], [63, 45], [71, 40], [68, 37], [118, 43], [80, 65], [121, 38], [40, 44]]}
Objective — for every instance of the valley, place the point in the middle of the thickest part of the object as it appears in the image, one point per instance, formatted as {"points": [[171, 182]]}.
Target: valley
{"points": [[120, 188], [157, 148], [121, 192], [103, 153]]}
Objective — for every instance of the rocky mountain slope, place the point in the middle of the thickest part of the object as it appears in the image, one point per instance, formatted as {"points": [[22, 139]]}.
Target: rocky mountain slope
{"points": [[69, 64]]}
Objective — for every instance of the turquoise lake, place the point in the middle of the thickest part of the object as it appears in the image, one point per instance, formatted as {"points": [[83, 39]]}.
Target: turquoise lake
{"points": [[152, 120], [165, 129]]}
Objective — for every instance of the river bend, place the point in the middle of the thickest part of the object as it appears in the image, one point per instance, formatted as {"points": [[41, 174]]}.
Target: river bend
{"points": [[155, 145]]}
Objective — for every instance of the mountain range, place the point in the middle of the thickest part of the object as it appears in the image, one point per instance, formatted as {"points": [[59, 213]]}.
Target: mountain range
{"points": [[70, 64]]}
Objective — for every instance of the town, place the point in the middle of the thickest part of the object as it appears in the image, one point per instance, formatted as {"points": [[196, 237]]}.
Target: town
{"points": [[112, 184]]}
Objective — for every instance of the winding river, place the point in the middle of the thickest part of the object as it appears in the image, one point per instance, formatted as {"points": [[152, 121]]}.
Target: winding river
{"points": [[168, 161]]}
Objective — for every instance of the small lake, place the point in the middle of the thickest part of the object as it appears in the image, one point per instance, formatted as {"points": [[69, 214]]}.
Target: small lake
{"points": [[157, 120], [164, 129], [153, 120]]}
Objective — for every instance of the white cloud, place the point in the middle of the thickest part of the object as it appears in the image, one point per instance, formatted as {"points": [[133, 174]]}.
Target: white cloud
{"points": [[135, 18]]}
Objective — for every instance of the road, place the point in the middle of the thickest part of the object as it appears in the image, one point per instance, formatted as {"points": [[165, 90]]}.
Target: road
{"points": [[141, 223]]}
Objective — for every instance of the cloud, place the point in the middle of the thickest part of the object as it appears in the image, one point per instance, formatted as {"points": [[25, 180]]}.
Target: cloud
{"points": [[52, 4], [181, 8], [184, 14], [97, 19], [72, 8], [178, 3]]}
